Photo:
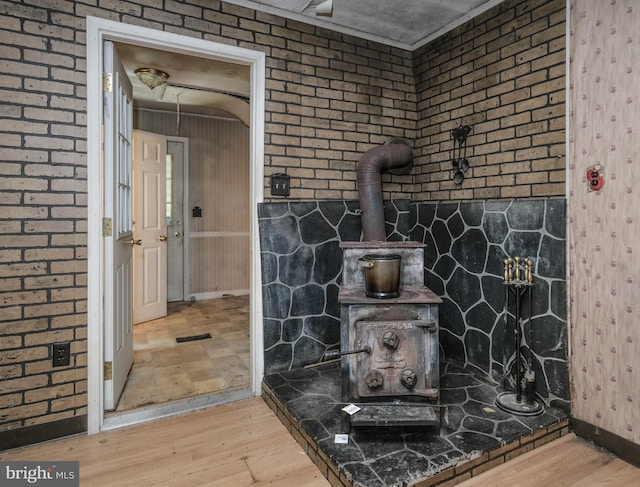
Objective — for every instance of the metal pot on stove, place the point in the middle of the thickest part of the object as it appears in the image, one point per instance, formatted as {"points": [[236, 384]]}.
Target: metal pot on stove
{"points": [[381, 275]]}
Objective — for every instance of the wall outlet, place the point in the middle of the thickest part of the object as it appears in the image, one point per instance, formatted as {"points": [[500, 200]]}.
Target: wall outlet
{"points": [[61, 354]]}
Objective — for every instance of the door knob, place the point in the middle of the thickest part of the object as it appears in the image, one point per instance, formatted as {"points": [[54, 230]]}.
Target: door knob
{"points": [[136, 242], [177, 234], [162, 238]]}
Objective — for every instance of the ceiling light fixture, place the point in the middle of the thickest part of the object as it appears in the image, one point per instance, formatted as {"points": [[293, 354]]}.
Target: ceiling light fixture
{"points": [[151, 77], [325, 9]]}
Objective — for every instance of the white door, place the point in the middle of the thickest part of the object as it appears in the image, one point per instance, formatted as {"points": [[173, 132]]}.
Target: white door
{"points": [[150, 226], [176, 188], [117, 231]]}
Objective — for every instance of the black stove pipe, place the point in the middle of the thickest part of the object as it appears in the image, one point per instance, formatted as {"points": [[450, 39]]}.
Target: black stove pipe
{"points": [[396, 157]]}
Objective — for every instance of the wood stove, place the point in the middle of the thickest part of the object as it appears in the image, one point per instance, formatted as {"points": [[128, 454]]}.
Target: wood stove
{"points": [[389, 347]]}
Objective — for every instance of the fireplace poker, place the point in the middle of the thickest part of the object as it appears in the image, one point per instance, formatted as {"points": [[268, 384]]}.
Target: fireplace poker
{"points": [[518, 343], [507, 278], [505, 329], [530, 375]]}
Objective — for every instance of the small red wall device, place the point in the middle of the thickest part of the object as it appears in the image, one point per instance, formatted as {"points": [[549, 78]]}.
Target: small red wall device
{"points": [[595, 178]]}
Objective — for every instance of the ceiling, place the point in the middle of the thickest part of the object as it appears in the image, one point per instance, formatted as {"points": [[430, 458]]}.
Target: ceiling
{"points": [[407, 24], [205, 86], [195, 85]]}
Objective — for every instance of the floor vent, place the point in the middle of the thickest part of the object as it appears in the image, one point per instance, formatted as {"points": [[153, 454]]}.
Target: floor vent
{"points": [[193, 338]]}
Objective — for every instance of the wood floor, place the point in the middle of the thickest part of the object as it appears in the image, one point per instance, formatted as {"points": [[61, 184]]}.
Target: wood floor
{"points": [[233, 445], [567, 462], [244, 444]]}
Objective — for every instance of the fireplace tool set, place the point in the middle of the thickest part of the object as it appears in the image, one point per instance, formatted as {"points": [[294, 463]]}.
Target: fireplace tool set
{"points": [[518, 281]]}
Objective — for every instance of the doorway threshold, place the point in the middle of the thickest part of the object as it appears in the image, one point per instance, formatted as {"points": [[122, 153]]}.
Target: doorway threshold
{"points": [[128, 418]]}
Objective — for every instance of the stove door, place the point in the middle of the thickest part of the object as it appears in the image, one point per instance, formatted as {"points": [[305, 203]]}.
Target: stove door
{"points": [[399, 362]]}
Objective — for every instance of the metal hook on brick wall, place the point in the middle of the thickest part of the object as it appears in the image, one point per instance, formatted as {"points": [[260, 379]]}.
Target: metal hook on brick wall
{"points": [[460, 161]]}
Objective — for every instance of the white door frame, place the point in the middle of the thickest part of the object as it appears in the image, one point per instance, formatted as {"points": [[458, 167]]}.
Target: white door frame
{"points": [[99, 30]]}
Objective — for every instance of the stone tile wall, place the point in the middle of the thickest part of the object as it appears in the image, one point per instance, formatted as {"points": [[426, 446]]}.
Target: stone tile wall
{"points": [[301, 274], [466, 245]]}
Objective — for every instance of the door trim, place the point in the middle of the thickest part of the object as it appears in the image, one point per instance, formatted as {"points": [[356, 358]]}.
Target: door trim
{"points": [[99, 30]]}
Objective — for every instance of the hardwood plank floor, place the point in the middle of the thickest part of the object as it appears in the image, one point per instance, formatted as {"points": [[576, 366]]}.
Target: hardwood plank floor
{"points": [[243, 444], [569, 461], [238, 444]]}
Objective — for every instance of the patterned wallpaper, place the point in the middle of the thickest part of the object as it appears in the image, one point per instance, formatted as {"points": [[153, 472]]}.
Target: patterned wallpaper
{"points": [[604, 214]]}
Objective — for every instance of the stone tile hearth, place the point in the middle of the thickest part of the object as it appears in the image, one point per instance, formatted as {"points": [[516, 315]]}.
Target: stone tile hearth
{"points": [[474, 434]]}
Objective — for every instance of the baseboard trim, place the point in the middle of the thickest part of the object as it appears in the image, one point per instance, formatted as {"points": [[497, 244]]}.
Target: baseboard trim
{"points": [[30, 435], [622, 448]]}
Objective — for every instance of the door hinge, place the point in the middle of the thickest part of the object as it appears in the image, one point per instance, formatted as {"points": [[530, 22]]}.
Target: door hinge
{"points": [[107, 228], [108, 371], [107, 82]]}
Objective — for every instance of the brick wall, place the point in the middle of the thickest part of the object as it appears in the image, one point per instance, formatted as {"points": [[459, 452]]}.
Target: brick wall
{"points": [[503, 74], [330, 98], [42, 215]]}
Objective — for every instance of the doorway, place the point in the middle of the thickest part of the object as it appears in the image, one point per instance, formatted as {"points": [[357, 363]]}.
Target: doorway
{"points": [[178, 231], [98, 31], [198, 343]]}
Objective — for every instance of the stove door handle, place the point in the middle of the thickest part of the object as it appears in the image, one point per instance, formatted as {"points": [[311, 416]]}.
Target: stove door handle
{"points": [[332, 354]]}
